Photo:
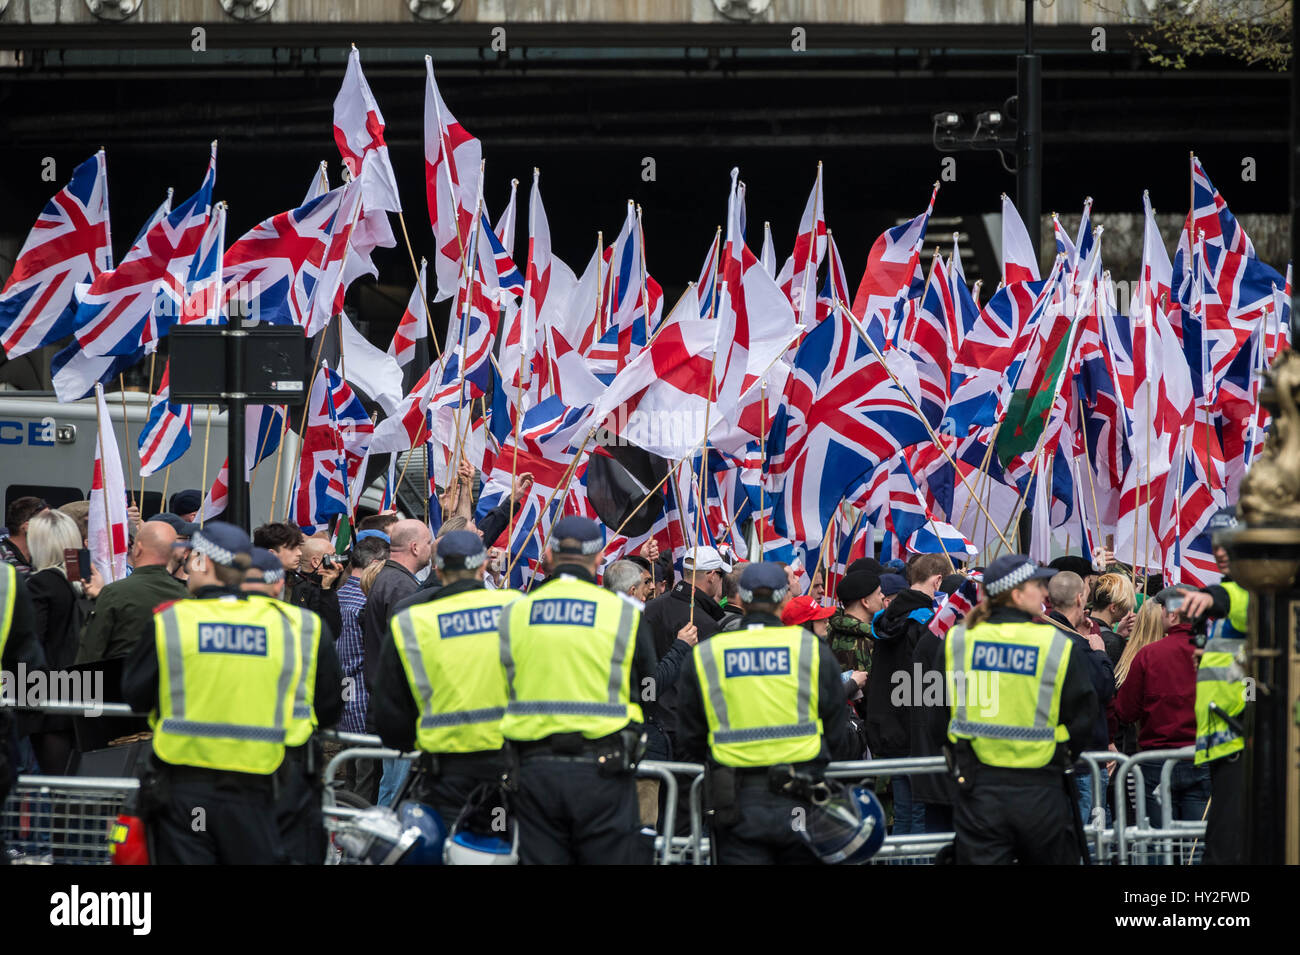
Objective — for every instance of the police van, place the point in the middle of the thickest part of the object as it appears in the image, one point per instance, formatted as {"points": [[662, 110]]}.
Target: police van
{"points": [[47, 449]]}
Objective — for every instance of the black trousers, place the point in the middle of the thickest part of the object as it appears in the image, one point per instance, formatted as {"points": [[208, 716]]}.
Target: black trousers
{"points": [[298, 816], [450, 789], [223, 822], [998, 824], [1224, 844], [767, 832], [568, 813]]}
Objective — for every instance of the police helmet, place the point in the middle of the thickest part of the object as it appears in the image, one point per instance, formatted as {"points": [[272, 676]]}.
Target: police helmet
{"points": [[380, 836], [473, 846], [848, 829], [417, 816]]}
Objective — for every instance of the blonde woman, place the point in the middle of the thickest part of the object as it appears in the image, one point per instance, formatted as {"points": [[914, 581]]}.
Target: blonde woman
{"points": [[58, 620], [1148, 628], [1113, 598]]}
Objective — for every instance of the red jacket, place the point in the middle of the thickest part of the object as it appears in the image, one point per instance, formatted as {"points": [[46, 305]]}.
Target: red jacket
{"points": [[1160, 692]]}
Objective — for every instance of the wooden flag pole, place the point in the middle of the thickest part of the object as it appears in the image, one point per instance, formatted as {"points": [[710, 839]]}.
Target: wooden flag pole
{"points": [[207, 431], [279, 457], [153, 357], [1087, 466], [700, 496], [167, 474], [471, 264], [982, 473], [911, 401], [126, 432], [306, 413], [762, 467]]}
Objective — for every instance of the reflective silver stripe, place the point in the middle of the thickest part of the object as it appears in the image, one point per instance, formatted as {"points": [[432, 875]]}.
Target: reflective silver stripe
{"points": [[1215, 675], [803, 706], [957, 645], [1224, 645], [1047, 683], [175, 667], [461, 717], [758, 733], [996, 731], [286, 673], [415, 660], [253, 734], [564, 708], [626, 624], [507, 658], [307, 633], [8, 596], [716, 697]]}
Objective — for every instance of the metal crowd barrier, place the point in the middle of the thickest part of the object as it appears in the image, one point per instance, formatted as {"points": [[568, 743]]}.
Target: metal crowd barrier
{"points": [[1175, 841], [64, 820], [68, 819]]}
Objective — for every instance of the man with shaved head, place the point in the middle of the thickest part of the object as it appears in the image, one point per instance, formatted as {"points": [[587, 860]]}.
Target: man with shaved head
{"points": [[410, 551], [1069, 595], [125, 607]]}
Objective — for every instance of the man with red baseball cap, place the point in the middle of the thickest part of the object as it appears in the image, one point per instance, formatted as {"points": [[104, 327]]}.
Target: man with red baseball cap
{"points": [[806, 612]]}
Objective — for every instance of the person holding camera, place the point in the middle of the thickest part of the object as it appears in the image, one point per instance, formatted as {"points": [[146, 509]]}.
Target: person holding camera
{"points": [[313, 585], [1159, 694]]}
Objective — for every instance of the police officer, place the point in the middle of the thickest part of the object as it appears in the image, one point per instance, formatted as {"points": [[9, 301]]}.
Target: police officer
{"points": [[766, 705], [227, 679], [266, 574], [441, 686], [578, 659], [19, 645], [298, 812], [1221, 696], [1019, 704]]}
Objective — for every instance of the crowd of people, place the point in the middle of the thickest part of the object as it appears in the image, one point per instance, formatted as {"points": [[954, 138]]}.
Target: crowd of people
{"points": [[1131, 684]]}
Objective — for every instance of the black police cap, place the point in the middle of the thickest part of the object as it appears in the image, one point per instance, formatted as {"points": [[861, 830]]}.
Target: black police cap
{"points": [[459, 550]]}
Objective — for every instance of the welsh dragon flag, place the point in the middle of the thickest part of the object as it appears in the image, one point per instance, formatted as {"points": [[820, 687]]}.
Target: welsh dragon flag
{"points": [[1038, 381]]}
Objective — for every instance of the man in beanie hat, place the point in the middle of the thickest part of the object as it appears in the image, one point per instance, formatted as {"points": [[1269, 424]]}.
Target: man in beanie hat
{"points": [[850, 629]]}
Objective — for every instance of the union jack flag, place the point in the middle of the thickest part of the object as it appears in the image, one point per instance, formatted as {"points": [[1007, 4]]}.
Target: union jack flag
{"points": [[112, 314], [626, 312], [68, 244], [166, 435], [274, 270], [842, 417], [893, 275], [336, 443]]}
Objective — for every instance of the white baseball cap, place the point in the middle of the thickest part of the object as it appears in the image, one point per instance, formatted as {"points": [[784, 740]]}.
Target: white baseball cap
{"points": [[706, 558]]}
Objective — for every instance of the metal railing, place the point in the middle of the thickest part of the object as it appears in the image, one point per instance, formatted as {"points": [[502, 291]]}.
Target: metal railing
{"points": [[69, 819]]}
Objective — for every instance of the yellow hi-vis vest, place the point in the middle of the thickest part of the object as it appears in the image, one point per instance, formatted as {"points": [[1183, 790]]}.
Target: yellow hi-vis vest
{"points": [[1220, 680], [567, 651], [451, 653], [760, 696], [1004, 691], [8, 597], [306, 624], [228, 675]]}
